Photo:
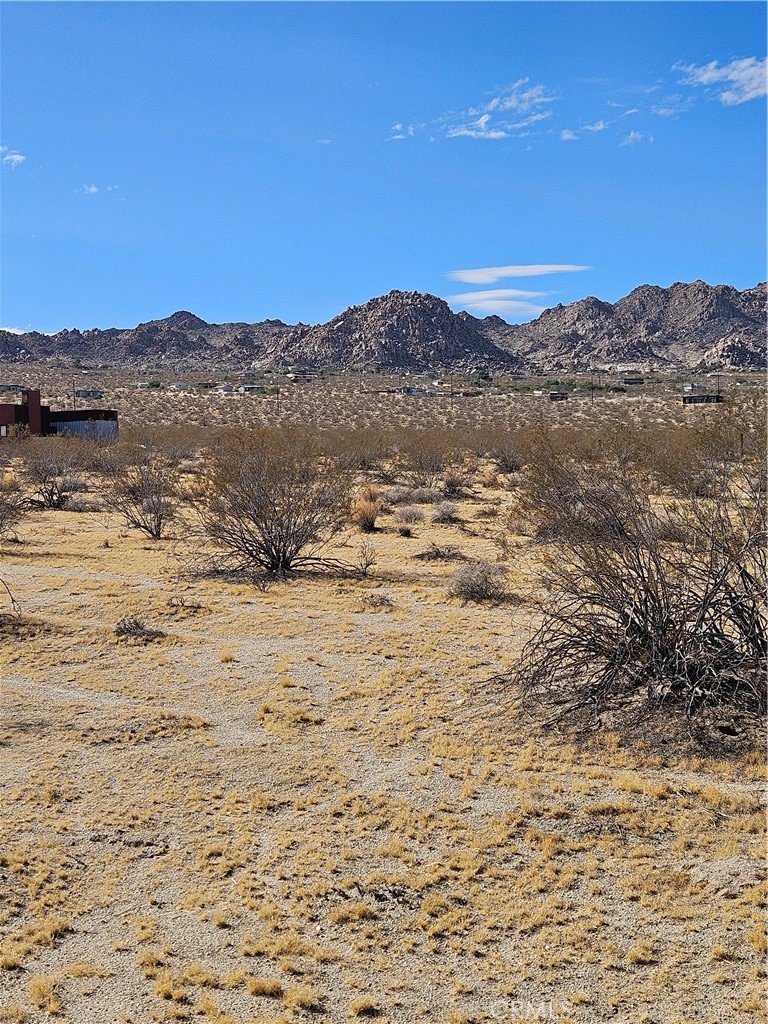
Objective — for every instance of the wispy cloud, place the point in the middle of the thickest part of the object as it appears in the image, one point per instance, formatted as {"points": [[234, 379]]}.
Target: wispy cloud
{"points": [[478, 129], [489, 275], [499, 117], [566, 135], [401, 131], [596, 126], [11, 157], [745, 78], [671, 106], [323, 142], [13, 330], [635, 139], [495, 295], [92, 190], [518, 97]]}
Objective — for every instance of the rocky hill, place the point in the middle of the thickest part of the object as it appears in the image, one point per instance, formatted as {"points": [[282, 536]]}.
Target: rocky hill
{"points": [[401, 330], [687, 324]]}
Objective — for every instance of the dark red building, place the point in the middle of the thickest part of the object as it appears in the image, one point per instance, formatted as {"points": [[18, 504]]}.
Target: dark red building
{"points": [[41, 420]]}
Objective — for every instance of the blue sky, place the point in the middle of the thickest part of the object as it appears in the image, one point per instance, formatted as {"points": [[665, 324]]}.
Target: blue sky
{"points": [[248, 161]]}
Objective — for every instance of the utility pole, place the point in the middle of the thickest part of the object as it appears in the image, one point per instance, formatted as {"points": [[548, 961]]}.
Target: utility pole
{"points": [[591, 387]]}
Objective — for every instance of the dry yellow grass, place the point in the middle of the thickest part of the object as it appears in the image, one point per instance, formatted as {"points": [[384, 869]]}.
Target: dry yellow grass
{"points": [[299, 804]]}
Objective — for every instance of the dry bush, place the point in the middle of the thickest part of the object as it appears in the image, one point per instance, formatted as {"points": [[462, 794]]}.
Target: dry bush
{"points": [[440, 553], [52, 468], [133, 628], [647, 608], [407, 515], [12, 504], [365, 512], [446, 513], [273, 503], [480, 582], [143, 487]]}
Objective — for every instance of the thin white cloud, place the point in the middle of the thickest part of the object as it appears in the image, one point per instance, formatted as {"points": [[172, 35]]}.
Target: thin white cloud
{"points": [[401, 131], [489, 275], [494, 295], [671, 106], [478, 129], [635, 139], [518, 97], [13, 330], [566, 135], [323, 142], [632, 110], [88, 190], [746, 78], [11, 157], [490, 120], [596, 126]]}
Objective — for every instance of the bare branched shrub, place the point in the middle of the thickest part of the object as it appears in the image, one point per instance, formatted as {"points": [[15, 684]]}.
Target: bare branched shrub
{"points": [[480, 582], [12, 505], [274, 503], [52, 468], [133, 628], [144, 489], [649, 608]]}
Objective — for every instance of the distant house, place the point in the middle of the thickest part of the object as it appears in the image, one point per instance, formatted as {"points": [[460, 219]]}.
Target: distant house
{"points": [[702, 399], [224, 389], [179, 385], [634, 381], [558, 396], [251, 389], [14, 389], [41, 420], [92, 393]]}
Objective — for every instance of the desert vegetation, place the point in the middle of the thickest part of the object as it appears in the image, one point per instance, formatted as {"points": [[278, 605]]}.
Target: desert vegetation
{"points": [[374, 720]]}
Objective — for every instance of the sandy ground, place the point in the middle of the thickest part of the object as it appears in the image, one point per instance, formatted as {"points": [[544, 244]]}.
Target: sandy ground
{"points": [[300, 805]]}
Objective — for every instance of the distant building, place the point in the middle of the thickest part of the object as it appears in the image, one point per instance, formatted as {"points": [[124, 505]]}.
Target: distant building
{"points": [[92, 393], [634, 381], [41, 420], [251, 389], [702, 399], [558, 396]]}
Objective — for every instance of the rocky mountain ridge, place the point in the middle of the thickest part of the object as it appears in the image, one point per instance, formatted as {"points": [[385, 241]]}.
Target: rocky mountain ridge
{"points": [[686, 324]]}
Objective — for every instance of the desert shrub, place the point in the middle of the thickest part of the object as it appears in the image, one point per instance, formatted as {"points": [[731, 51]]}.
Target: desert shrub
{"points": [[445, 513], [365, 513], [424, 495], [133, 628], [399, 495], [12, 504], [407, 515], [440, 553], [455, 483], [52, 468], [651, 608], [479, 582], [144, 489], [420, 460], [274, 503]]}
